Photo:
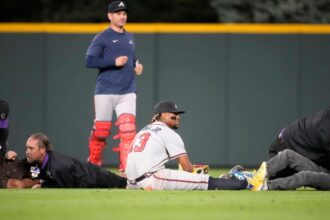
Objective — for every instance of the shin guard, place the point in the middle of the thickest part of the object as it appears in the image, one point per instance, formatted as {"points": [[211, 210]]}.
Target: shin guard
{"points": [[126, 133], [97, 141]]}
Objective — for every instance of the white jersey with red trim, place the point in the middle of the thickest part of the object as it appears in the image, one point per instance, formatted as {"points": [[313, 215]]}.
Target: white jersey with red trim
{"points": [[151, 148]]}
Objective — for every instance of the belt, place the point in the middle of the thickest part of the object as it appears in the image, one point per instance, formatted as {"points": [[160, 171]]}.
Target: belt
{"points": [[140, 178]]}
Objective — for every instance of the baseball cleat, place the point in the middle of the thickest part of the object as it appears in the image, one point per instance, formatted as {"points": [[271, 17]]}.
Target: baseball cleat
{"points": [[258, 182], [237, 168], [239, 172], [230, 174]]}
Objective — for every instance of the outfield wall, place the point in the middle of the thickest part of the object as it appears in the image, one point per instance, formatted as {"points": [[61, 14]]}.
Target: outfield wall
{"points": [[240, 84]]}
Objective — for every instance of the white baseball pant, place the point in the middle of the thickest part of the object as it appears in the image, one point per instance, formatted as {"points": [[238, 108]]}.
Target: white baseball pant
{"points": [[167, 179]]}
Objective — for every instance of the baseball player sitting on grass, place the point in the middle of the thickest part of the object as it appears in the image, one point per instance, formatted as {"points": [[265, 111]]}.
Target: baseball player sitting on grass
{"points": [[158, 143]]}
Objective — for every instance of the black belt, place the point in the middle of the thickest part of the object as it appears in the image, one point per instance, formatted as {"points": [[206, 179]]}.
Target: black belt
{"points": [[135, 181], [140, 178]]}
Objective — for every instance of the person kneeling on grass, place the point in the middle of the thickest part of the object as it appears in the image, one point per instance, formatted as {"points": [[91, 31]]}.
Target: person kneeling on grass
{"points": [[56, 170], [307, 173], [14, 173], [158, 143]]}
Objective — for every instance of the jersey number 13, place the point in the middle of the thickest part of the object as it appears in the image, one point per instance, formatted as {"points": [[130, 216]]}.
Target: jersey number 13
{"points": [[140, 142]]}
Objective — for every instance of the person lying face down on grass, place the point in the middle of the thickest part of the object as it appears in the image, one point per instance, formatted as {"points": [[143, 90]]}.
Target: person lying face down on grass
{"points": [[306, 173], [56, 170]]}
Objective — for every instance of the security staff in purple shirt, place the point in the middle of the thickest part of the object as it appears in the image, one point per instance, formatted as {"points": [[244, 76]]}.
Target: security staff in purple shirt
{"points": [[56, 170], [4, 126]]}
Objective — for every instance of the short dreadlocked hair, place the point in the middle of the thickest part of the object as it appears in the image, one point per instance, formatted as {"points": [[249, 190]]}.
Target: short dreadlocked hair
{"points": [[156, 117]]}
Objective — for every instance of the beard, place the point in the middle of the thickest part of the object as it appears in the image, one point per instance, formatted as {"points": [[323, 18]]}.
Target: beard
{"points": [[29, 160], [175, 127]]}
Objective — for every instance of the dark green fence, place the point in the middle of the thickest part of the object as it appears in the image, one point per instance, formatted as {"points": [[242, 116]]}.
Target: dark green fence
{"points": [[238, 90]]}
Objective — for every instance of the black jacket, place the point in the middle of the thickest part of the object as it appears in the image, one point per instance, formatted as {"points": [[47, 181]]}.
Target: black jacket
{"points": [[309, 136], [63, 171], [3, 141]]}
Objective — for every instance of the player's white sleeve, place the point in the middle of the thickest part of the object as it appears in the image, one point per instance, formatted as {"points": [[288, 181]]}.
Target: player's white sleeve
{"points": [[174, 144]]}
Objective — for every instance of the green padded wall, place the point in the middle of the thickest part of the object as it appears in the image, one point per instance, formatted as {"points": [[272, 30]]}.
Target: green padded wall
{"points": [[238, 90]]}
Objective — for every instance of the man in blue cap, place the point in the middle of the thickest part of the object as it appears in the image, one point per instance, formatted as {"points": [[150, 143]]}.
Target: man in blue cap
{"points": [[112, 53]]}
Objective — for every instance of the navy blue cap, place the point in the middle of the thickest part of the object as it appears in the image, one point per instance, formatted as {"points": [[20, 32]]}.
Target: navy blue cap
{"points": [[117, 6], [167, 106]]}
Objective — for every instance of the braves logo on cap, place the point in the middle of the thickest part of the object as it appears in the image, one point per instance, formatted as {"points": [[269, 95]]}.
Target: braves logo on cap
{"points": [[167, 106], [117, 6]]}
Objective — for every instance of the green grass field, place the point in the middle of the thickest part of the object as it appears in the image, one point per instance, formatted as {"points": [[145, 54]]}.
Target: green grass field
{"points": [[93, 204]]}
